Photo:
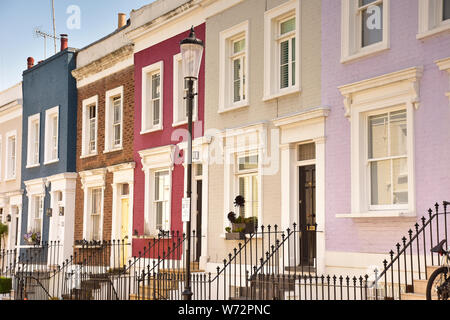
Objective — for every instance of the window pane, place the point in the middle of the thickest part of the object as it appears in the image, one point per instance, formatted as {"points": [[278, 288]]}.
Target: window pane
{"points": [[293, 61], [117, 135], [372, 25], [284, 64], [244, 192], [237, 80], [156, 86], [306, 152], [248, 163], [155, 112], [378, 136], [238, 46], [446, 10], [287, 26], [381, 183], [255, 196], [398, 133], [400, 178]]}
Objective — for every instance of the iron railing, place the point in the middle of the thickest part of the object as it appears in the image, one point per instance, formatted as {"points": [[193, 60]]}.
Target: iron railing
{"points": [[410, 259]]}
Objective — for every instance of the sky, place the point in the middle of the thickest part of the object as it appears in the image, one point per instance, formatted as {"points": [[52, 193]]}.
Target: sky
{"points": [[19, 19]]}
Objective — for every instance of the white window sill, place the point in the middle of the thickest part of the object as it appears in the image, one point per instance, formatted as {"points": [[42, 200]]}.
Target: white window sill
{"points": [[10, 179], [434, 31], [366, 52], [182, 123], [51, 162], [31, 166], [236, 106], [113, 150], [88, 155], [377, 214], [285, 92], [151, 130]]}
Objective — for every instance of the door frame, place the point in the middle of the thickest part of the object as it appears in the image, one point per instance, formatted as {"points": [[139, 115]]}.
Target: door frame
{"points": [[304, 164]]}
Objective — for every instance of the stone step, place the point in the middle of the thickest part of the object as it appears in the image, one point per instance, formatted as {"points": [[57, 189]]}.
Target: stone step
{"points": [[420, 286], [413, 296]]}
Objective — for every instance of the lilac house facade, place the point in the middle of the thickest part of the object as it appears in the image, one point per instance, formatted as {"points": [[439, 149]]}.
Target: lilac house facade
{"points": [[386, 79]]}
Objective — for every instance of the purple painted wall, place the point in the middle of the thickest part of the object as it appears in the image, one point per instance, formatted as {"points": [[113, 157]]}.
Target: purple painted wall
{"points": [[432, 125]]}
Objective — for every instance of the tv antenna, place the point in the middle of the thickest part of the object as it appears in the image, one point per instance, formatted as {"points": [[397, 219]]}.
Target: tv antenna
{"points": [[39, 33]]}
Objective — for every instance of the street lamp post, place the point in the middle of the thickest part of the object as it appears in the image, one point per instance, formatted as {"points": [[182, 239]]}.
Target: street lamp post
{"points": [[191, 53]]}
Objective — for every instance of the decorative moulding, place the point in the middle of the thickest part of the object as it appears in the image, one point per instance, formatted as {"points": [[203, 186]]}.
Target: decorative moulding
{"points": [[444, 65], [400, 83]]}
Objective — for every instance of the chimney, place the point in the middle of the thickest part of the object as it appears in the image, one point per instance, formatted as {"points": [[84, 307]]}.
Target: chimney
{"points": [[64, 42], [30, 62], [122, 20]]}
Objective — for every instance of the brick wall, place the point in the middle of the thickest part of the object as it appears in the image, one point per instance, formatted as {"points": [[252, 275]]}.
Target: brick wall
{"points": [[123, 78]]}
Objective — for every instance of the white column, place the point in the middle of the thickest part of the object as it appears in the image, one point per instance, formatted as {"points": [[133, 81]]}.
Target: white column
{"points": [[320, 204]]}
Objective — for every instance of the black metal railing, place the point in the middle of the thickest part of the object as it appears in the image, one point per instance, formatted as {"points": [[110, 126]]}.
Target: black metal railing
{"points": [[411, 258]]}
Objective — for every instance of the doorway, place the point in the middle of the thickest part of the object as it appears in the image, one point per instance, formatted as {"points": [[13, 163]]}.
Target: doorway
{"points": [[307, 215]]}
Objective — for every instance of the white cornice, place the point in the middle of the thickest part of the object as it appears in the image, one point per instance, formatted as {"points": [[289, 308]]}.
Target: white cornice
{"points": [[157, 157], [407, 80], [122, 167], [302, 116], [444, 64]]}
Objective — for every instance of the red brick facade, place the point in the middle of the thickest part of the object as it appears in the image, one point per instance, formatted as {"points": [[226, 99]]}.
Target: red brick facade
{"points": [[123, 78]]}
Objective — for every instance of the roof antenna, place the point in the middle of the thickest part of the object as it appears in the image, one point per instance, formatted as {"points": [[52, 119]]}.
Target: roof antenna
{"points": [[54, 24]]}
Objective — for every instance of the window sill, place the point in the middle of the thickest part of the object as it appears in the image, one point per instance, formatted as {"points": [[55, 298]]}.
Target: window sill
{"points": [[182, 123], [51, 162], [377, 214], [434, 31], [151, 130], [88, 155], [113, 150], [10, 179], [234, 107], [280, 94], [31, 166], [366, 53]]}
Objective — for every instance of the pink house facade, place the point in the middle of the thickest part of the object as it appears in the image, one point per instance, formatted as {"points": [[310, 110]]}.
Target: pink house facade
{"points": [[160, 126], [387, 85]]}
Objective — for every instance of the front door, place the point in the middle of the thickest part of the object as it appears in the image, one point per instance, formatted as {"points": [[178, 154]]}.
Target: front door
{"points": [[307, 215], [124, 231]]}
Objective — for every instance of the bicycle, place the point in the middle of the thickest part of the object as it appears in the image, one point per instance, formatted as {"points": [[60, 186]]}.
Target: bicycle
{"points": [[439, 282]]}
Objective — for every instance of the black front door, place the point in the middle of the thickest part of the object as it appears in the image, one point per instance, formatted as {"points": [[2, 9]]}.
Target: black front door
{"points": [[198, 229], [307, 215]]}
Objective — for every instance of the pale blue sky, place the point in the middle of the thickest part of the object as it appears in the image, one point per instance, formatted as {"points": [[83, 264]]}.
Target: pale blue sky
{"points": [[19, 18]]}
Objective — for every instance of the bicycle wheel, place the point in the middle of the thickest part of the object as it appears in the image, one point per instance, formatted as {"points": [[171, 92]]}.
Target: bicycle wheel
{"points": [[438, 287]]}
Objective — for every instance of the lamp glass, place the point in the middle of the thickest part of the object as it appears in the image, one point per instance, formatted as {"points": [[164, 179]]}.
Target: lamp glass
{"points": [[191, 59]]}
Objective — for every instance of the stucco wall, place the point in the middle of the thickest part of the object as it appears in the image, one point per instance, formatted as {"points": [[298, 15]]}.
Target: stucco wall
{"points": [[431, 126], [258, 111], [163, 51], [45, 86]]}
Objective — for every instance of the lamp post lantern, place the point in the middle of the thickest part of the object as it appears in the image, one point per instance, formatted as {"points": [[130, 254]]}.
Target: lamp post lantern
{"points": [[191, 54]]}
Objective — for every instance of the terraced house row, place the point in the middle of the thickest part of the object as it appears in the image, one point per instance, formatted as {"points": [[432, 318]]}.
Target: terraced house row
{"points": [[329, 118]]}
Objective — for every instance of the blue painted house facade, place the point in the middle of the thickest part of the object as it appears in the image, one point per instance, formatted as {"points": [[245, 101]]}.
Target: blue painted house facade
{"points": [[49, 149]]}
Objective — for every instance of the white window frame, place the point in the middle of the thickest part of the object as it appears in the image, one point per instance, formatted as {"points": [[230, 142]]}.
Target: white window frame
{"points": [[88, 230], [8, 175], [49, 115], [32, 139], [431, 18], [157, 67], [31, 213], [247, 173], [365, 98], [227, 38], [272, 19], [152, 221], [85, 152], [92, 179], [180, 93], [368, 177], [351, 33], [109, 119]]}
